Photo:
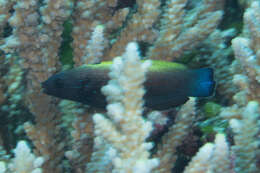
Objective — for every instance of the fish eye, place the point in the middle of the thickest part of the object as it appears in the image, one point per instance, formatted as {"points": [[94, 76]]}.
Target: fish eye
{"points": [[58, 83]]}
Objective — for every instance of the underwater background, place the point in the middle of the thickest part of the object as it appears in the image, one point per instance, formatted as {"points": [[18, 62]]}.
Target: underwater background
{"points": [[40, 133]]}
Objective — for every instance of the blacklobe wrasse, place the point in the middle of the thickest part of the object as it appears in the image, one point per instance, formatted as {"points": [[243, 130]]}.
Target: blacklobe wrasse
{"points": [[167, 84]]}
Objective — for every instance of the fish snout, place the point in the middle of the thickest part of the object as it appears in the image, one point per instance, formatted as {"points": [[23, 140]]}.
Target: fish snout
{"points": [[44, 86]]}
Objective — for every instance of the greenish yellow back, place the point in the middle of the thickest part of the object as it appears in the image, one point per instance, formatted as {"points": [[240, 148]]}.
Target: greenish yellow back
{"points": [[157, 66], [160, 66], [102, 65]]}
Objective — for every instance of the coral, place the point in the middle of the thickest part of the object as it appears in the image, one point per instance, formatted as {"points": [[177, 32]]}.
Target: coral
{"points": [[221, 155], [200, 163], [101, 160], [25, 161], [125, 97], [167, 150], [34, 44], [211, 158], [246, 148], [87, 16], [95, 46], [82, 139], [245, 113], [185, 33], [139, 28], [247, 53]]}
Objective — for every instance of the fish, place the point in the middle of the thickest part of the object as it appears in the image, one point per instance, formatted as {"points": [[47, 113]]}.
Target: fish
{"points": [[167, 84]]}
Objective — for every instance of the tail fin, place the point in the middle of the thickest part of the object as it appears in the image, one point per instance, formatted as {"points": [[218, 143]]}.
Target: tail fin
{"points": [[202, 83]]}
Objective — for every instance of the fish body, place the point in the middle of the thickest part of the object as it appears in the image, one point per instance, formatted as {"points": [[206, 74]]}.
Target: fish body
{"points": [[167, 84]]}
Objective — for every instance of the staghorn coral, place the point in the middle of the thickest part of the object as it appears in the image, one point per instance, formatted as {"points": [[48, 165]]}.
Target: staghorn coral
{"points": [[211, 158], [244, 115], [24, 160], [185, 34], [34, 44], [246, 148], [221, 162], [125, 97], [247, 53], [200, 163], [179, 130], [101, 159]]}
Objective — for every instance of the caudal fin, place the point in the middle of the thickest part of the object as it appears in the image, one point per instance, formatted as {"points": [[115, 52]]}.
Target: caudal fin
{"points": [[202, 82]]}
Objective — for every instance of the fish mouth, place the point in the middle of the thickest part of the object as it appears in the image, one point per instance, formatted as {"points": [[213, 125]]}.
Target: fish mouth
{"points": [[44, 90], [44, 87]]}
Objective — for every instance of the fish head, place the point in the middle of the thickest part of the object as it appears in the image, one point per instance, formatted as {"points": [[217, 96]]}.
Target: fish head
{"points": [[62, 85]]}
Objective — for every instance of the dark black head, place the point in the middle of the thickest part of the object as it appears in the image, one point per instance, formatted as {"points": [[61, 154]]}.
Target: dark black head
{"points": [[63, 85], [79, 84]]}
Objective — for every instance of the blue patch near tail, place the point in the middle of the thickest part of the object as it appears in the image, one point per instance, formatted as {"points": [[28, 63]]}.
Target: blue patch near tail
{"points": [[202, 83]]}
